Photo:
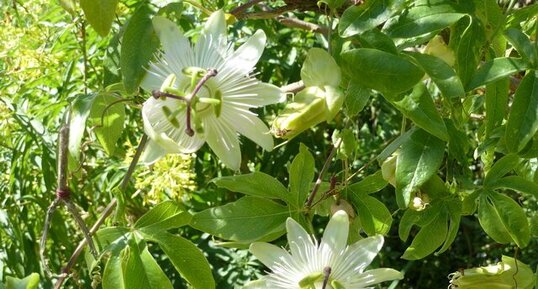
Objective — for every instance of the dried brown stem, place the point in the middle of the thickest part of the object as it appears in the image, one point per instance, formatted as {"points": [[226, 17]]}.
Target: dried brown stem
{"points": [[106, 213]]}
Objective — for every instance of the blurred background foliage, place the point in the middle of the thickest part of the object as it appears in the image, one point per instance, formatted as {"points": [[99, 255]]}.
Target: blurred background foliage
{"points": [[49, 56]]}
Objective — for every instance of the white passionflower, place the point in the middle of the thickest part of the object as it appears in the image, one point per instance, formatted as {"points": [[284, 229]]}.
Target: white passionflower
{"points": [[332, 264], [204, 93]]}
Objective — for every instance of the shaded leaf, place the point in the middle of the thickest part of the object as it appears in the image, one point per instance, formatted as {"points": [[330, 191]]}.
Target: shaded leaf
{"points": [[301, 171], [496, 69], [138, 45], [372, 13], [425, 17], [418, 106], [522, 122], [430, 237], [188, 260], [420, 157], [385, 72]]}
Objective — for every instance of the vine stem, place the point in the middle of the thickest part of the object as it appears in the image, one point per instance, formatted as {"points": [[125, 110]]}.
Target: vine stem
{"points": [[322, 173], [239, 10], [106, 213]]}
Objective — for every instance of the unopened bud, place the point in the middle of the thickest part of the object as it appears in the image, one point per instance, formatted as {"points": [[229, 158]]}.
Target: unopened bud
{"points": [[311, 106], [388, 169], [504, 275]]}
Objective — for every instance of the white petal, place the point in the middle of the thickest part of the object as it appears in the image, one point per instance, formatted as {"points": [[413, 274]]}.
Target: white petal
{"points": [[155, 76], [301, 244], [269, 254], [336, 233], [215, 25], [250, 126], [177, 49], [244, 59], [159, 129], [152, 153], [223, 141], [358, 256], [374, 276], [247, 92]]}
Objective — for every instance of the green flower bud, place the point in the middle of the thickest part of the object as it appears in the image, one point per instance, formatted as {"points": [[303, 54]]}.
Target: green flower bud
{"points": [[388, 169], [504, 275], [311, 106]]}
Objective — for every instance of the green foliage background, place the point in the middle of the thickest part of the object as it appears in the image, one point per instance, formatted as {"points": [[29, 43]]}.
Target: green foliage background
{"points": [[50, 57]]}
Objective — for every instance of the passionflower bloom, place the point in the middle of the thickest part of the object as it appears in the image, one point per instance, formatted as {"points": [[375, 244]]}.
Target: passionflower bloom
{"points": [[332, 264], [204, 93], [503, 275]]}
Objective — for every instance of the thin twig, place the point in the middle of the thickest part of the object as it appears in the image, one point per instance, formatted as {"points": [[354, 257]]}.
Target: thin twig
{"points": [[298, 23], [242, 8], [294, 87], [321, 173], [106, 213]]}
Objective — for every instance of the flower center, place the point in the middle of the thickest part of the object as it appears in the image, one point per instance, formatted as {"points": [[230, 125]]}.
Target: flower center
{"points": [[197, 92]]}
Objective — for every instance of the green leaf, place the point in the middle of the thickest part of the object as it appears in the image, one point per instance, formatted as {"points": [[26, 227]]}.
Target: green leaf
{"points": [[29, 282], [523, 14], [138, 45], [496, 103], [301, 172], [108, 117], [501, 167], [373, 214], [188, 260], [441, 74], [503, 219], [141, 271], [370, 184], [113, 239], [348, 143], [430, 237], [522, 123], [468, 48], [364, 17], [100, 14], [164, 216], [522, 44], [425, 17], [80, 110], [517, 183], [496, 69], [356, 98], [419, 107], [454, 212], [246, 219], [255, 184], [380, 70], [420, 157], [408, 220], [320, 69], [376, 39], [112, 274]]}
